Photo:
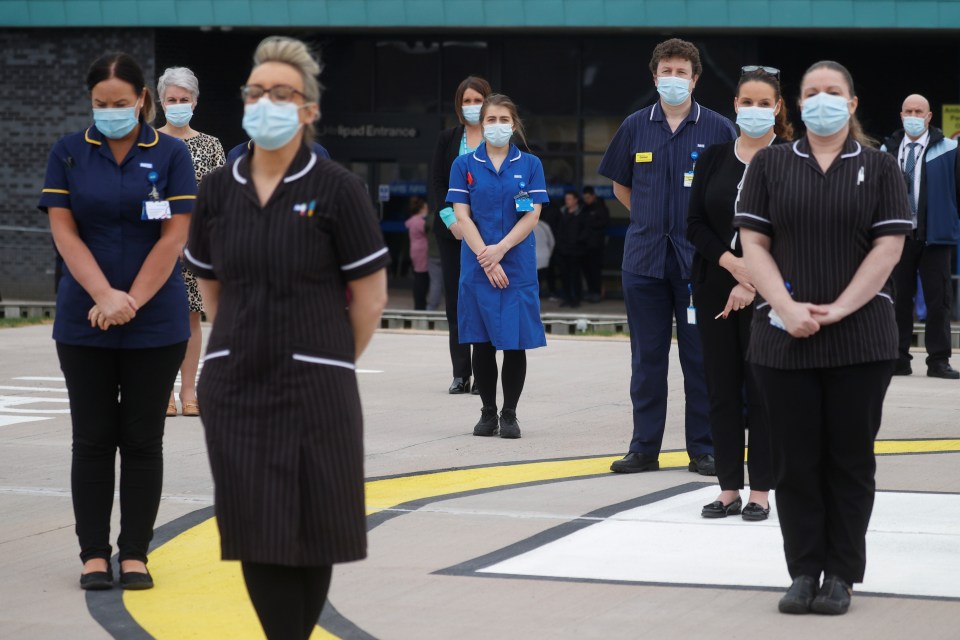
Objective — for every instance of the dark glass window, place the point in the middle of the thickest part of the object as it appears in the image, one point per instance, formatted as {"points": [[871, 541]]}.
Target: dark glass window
{"points": [[347, 75], [461, 59], [540, 75], [406, 76]]}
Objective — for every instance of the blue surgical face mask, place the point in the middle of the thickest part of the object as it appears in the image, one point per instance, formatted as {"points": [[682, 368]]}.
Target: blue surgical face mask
{"points": [[824, 114], [674, 91], [179, 114], [914, 126], [756, 122], [271, 125], [498, 134], [115, 123], [471, 113]]}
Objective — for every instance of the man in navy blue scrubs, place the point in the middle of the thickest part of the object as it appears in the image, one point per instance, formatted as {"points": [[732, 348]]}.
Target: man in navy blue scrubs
{"points": [[652, 162]]}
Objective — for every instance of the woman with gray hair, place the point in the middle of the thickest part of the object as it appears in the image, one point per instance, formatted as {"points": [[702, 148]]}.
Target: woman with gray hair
{"points": [[178, 90]]}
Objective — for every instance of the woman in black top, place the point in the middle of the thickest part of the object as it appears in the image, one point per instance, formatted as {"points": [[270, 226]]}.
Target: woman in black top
{"points": [[827, 214], [723, 295], [453, 143], [279, 238]]}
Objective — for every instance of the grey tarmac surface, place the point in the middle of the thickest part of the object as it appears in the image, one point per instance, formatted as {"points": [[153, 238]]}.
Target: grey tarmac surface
{"points": [[576, 403]]}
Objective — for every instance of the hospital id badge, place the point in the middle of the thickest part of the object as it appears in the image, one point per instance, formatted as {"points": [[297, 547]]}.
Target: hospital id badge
{"points": [[688, 179], [523, 201], [155, 210]]}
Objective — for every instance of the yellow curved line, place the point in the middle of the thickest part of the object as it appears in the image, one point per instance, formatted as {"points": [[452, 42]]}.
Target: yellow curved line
{"points": [[199, 597]]}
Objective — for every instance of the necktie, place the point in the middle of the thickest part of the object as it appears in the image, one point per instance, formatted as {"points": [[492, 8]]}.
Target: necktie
{"points": [[909, 167]]}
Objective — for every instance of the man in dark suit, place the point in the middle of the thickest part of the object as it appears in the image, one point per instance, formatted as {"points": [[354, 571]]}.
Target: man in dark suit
{"points": [[930, 168]]}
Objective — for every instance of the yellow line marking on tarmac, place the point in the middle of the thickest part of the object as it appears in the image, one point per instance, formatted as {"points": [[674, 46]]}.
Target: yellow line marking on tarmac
{"points": [[200, 597]]}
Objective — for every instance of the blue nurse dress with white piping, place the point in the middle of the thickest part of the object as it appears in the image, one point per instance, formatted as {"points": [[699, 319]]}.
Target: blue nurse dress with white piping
{"points": [[507, 318]]}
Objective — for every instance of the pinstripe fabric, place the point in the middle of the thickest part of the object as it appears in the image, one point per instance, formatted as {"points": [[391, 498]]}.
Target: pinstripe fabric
{"points": [[822, 227], [658, 202], [285, 433]]}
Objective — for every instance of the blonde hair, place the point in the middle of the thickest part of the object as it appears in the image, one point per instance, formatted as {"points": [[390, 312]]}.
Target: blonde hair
{"points": [[500, 100], [298, 55]]}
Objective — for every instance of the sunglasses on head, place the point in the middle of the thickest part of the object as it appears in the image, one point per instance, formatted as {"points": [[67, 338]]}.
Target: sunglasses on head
{"points": [[750, 68]]}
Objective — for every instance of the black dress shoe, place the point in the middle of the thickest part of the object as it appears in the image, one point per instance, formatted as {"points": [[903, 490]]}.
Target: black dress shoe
{"points": [[754, 512], [635, 462], [799, 596], [719, 510], [459, 385], [488, 424], [97, 580], [135, 580], [902, 368], [704, 464], [943, 370], [509, 427], [833, 598]]}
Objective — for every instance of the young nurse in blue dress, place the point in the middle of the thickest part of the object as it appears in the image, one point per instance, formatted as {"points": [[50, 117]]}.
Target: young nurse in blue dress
{"points": [[497, 192]]}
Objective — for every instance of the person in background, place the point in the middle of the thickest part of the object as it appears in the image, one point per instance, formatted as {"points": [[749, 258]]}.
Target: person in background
{"points": [[452, 143], [418, 251], [122, 323], [434, 267], [179, 91], [723, 296], [277, 243], [822, 223], [545, 242], [652, 162], [571, 245], [930, 169], [598, 219], [497, 192]]}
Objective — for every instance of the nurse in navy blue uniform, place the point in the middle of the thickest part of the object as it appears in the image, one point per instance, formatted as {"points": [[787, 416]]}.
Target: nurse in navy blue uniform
{"points": [[118, 196], [497, 192]]}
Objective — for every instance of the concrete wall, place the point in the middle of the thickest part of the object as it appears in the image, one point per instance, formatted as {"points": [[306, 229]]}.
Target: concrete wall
{"points": [[44, 98]]}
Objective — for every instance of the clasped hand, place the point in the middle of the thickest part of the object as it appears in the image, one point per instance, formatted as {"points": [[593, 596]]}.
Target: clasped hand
{"points": [[497, 277], [740, 297], [113, 308], [803, 319], [491, 255], [738, 269]]}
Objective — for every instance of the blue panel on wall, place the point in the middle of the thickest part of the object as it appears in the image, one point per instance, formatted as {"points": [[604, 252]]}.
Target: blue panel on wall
{"points": [[195, 12]]}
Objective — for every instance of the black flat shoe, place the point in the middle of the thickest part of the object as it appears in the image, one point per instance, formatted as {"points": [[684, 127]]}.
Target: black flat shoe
{"points": [[833, 598], [635, 462], [704, 464], [754, 512], [902, 368], [459, 385], [97, 581], [488, 424], [475, 391], [943, 370], [135, 580], [719, 510], [799, 596]]}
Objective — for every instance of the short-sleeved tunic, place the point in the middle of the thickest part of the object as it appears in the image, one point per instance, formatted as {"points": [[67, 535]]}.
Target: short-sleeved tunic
{"points": [[278, 388], [508, 318], [822, 226]]}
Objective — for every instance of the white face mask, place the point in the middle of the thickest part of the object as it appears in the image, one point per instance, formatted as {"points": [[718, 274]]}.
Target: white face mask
{"points": [[498, 134], [471, 113]]}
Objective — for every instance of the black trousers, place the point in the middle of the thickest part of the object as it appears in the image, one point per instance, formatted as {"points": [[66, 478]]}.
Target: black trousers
{"points": [[823, 426], [118, 400], [570, 267], [288, 600], [933, 264], [514, 374], [735, 403], [421, 284], [450, 262], [592, 263]]}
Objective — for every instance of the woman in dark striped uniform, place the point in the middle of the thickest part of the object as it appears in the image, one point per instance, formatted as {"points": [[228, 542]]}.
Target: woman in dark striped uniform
{"points": [[827, 215], [280, 237]]}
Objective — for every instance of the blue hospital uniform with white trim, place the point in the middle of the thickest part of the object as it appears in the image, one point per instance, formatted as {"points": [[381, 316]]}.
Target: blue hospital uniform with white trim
{"points": [[106, 200], [508, 318]]}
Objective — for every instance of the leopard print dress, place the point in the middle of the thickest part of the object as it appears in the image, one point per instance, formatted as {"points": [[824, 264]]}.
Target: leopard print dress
{"points": [[207, 153]]}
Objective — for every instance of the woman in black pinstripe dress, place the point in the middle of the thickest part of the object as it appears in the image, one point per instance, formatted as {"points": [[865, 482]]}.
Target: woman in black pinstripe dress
{"points": [[280, 237]]}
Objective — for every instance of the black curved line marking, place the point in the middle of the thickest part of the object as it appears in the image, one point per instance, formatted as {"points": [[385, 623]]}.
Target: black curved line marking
{"points": [[334, 622], [106, 607], [470, 567]]}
